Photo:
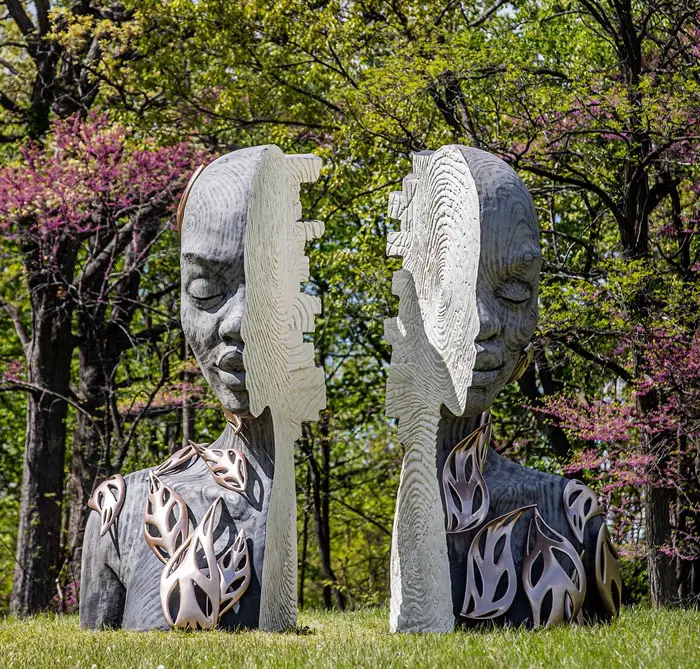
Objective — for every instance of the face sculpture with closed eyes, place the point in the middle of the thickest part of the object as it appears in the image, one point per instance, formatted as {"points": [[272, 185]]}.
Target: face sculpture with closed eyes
{"points": [[508, 277], [213, 284]]}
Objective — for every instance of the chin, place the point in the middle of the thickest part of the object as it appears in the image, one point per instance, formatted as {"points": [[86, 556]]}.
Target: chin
{"points": [[480, 399], [235, 401]]}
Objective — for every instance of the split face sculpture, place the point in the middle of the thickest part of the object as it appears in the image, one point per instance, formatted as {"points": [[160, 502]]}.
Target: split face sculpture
{"points": [[213, 301], [476, 537], [208, 538]]}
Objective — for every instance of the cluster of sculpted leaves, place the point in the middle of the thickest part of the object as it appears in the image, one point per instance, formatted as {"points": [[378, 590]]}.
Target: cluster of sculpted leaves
{"points": [[596, 104]]}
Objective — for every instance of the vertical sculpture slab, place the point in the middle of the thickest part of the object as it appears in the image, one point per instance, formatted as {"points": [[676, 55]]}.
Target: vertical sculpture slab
{"points": [[471, 528], [209, 538], [273, 301], [439, 243]]}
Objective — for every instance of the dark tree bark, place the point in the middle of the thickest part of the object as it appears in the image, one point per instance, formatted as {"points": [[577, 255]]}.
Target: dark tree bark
{"points": [[320, 496], [48, 352]]}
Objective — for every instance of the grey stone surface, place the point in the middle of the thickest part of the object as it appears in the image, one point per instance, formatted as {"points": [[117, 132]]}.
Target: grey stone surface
{"points": [[121, 575], [468, 308], [242, 262]]}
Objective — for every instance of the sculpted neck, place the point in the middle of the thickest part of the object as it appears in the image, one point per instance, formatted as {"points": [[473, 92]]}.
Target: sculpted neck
{"points": [[254, 437], [451, 431]]}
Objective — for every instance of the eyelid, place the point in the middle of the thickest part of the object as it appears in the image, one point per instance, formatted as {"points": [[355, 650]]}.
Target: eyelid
{"points": [[203, 288], [515, 291]]}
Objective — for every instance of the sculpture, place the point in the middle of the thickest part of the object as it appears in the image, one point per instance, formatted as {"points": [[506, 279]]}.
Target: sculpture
{"points": [[477, 537], [208, 538]]}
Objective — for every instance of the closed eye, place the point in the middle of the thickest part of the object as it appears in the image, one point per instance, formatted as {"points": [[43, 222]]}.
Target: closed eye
{"points": [[205, 293], [515, 291]]}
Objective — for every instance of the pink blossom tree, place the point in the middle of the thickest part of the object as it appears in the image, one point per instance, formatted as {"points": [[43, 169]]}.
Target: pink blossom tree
{"points": [[80, 214]]}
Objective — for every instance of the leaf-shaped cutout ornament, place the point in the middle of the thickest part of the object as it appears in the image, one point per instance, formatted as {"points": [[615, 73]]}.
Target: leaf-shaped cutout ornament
{"points": [[178, 461], [235, 571], [607, 573], [228, 466], [466, 494], [166, 522], [580, 505], [107, 500], [522, 364], [546, 577], [190, 581], [491, 578]]}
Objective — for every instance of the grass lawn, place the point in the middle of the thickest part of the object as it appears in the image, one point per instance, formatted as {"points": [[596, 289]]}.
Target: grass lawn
{"points": [[641, 638]]}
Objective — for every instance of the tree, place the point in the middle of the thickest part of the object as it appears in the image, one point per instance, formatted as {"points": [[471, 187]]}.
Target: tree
{"points": [[81, 213]]}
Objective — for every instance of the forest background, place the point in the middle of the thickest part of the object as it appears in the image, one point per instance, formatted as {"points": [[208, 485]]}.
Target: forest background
{"points": [[106, 108]]}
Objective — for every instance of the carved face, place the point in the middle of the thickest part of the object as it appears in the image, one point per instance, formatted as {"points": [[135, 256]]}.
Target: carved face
{"points": [[506, 290], [213, 286]]}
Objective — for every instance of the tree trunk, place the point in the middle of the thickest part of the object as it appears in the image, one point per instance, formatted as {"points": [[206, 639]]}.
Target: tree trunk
{"points": [[320, 483], [90, 457], [48, 362], [662, 581]]}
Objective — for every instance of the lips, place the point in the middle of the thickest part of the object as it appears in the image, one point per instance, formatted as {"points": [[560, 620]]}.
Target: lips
{"points": [[487, 367], [230, 369], [231, 360]]}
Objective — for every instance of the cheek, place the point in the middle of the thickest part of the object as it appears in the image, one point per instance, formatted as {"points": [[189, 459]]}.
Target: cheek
{"points": [[200, 329], [519, 325]]}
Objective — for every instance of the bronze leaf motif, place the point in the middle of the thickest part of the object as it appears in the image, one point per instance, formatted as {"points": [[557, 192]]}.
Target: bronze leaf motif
{"points": [[178, 461], [189, 594], [228, 466], [166, 522], [580, 505], [487, 594], [607, 573], [466, 494], [107, 500], [546, 578], [235, 572]]}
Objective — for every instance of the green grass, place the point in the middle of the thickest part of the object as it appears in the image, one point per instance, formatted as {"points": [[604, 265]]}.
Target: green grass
{"points": [[640, 638]]}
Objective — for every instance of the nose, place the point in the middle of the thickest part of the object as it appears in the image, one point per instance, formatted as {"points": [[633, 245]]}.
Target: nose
{"points": [[489, 323], [232, 321]]}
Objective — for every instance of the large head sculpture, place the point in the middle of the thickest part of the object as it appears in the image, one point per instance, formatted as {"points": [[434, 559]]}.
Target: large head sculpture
{"points": [[469, 283], [242, 262], [508, 277], [467, 308]]}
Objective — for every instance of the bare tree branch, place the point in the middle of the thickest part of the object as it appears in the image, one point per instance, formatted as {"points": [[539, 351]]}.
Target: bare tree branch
{"points": [[20, 17]]}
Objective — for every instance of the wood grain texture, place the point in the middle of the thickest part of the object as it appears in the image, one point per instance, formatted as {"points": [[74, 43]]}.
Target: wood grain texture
{"points": [[242, 259], [431, 366], [278, 377]]}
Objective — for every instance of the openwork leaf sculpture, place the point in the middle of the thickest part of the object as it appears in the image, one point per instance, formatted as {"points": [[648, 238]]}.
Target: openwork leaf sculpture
{"points": [[227, 465], [178, 461], [234, 570], [491, 578], [107, 500], [580, 505], [466, 493], [607, 573], [553, 575], [190, 582], [522, 364], [166, 521]]}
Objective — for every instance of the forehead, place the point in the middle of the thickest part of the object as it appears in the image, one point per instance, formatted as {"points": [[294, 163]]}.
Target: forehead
{"points": [[214, 220], [509, 232]]}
